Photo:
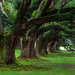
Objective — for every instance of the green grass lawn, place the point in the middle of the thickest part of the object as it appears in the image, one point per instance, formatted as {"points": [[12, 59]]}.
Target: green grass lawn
{"points": [[62, 63]]}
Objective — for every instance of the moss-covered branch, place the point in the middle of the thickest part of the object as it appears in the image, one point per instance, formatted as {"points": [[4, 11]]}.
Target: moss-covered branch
{"points": [[57, 27], [22, 10], [40, 12], [60, 35], [56, 17], [63, 10], [45, 7], [20, 17]]}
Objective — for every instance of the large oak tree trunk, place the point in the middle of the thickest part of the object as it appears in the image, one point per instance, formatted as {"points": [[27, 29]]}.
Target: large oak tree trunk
{"points": [[32, 44], [9, 56], [23, 44], [27, 49], [49, 47], [38, 44], [1, 40], [30, 52], [1, 54], [57, 47], [1, 24], [54, 46], [44, 49]]}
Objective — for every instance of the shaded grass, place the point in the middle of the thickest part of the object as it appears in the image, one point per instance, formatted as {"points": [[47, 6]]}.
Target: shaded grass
{"points": [[59, 71]]}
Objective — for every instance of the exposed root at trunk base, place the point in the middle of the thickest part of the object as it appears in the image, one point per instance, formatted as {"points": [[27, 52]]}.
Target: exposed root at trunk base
{"points": [[35, 57], [30, 59]]}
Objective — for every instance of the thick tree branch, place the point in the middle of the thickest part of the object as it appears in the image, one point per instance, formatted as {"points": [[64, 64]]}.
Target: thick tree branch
{"points": [[22, 11], [63, 10], [41, 11], [16, 28], [45, 7], [56, 27], [52, 4], [62, 7], [56, 17]]}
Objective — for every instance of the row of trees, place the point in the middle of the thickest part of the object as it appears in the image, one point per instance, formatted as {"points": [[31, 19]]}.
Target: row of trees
{"points": [[39, 22]]}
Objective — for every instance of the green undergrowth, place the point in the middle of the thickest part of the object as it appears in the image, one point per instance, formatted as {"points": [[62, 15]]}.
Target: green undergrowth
{"points": [[21, 67], [59, 71]]}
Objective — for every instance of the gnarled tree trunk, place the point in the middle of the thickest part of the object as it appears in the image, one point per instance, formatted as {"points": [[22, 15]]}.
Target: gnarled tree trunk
{"points": [[38, 44], [44, 49], [23, 44], [54, 46], [28, 47], [49, 47], [1, 40], [9, 55], [57, 47]]}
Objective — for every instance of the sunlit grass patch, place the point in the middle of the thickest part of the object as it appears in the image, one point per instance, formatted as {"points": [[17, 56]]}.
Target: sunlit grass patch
{"points": [[17, 52]]}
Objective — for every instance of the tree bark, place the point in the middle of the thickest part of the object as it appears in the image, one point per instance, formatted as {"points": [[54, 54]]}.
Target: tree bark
{"points": [[1, 28], [9, 56], [27, 49], [44, 50], [49, 47], [1, 54], [23, 45], [30, 47], [38, 44], [1, 38], [54, 46], [57, 47]]}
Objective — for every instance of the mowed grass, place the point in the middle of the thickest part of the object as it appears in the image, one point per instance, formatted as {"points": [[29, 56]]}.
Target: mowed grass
{"points": [[62, 63], [58, 71]]}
